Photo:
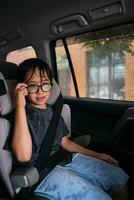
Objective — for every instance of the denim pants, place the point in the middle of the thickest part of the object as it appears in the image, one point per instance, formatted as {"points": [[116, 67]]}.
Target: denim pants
{"points": [[85, 178]]}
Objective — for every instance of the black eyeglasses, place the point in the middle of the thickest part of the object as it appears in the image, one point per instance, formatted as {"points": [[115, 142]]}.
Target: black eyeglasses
{"points": [[33, 88]]}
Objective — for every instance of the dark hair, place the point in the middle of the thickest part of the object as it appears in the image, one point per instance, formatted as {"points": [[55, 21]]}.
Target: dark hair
{"points": [[32, 64]]}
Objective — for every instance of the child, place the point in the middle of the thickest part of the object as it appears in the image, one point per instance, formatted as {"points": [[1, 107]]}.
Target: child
{"points": [[90, 175]]}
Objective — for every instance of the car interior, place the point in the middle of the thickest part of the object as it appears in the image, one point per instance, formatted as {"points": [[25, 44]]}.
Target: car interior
{"points": [[90, 48]]}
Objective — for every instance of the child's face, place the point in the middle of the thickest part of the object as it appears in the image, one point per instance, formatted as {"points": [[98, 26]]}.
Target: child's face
{"points": [[39, 98]]}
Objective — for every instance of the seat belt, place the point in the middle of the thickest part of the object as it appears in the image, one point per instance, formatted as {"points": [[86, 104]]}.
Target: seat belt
{"points": [[46, 146]]}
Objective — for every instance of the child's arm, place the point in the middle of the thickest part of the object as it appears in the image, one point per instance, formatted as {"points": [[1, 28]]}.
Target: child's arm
{"points": [[75, 148], [21, 141]]}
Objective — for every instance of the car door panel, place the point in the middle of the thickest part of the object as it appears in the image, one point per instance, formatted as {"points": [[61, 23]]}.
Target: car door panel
{"points": [[96, 117]]}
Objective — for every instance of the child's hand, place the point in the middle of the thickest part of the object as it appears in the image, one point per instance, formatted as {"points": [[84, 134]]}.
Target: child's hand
{"points": [[107, 158], [19, 93]]}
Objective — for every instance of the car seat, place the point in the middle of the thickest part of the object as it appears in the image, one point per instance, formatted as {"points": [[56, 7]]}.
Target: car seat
{"points": [[21, 178]]}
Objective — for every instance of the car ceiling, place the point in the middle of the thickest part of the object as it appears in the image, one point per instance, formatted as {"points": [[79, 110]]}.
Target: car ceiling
{"points": [[31, 19]]}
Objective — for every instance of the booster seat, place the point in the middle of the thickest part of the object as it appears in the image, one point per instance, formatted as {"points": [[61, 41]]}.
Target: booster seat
{"points": [[11, 181], [22, 178]]}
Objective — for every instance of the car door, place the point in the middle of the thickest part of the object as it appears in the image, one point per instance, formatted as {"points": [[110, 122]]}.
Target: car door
{"points": [[94, 71]]}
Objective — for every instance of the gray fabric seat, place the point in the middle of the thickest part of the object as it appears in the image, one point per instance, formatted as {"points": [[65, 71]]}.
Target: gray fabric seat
{"points": [[5, 156], [16, 180]]}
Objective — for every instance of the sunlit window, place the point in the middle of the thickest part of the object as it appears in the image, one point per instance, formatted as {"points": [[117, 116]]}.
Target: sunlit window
{"points": [[20, 55], [103, 63]]}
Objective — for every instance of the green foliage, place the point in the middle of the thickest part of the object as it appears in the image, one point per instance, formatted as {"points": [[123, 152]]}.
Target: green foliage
{"points": [[114, 40], [104, 47]]}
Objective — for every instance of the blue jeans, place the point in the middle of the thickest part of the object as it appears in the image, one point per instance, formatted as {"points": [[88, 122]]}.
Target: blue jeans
{"points": [[85, 178]]}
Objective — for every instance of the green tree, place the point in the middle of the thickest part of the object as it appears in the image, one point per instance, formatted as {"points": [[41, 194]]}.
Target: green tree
{"points": [[109, 42]]}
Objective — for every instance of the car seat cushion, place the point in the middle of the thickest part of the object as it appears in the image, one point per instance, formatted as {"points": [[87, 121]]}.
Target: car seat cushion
{"points": [[5, 99]]}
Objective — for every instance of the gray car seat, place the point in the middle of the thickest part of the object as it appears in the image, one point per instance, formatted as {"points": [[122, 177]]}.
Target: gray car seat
{"points": [[5, 156], [21, 178]]}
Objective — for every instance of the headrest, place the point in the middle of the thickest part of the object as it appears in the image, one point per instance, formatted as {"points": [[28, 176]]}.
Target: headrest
{"points": [[54, 93], [9, 70], [5, 99]]}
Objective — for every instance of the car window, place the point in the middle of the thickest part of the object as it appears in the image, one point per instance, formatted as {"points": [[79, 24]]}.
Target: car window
{"points": [[102, 62], [20, 55]]}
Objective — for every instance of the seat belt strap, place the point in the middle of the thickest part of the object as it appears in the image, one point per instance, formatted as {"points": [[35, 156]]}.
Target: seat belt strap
{"points": [[46, 146]]}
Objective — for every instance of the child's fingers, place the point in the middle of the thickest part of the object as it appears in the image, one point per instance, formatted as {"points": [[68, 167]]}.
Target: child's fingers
{"points": [[21, 85], [113, 161], [108, 158], [21, 89]]}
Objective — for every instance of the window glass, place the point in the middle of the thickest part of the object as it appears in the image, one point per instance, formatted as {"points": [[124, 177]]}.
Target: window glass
{"points": [[103, 62], [64, 76], [20, 55]]}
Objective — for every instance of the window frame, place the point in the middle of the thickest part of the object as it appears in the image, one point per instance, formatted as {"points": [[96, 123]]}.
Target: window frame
{"points": [[71, 67]]}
